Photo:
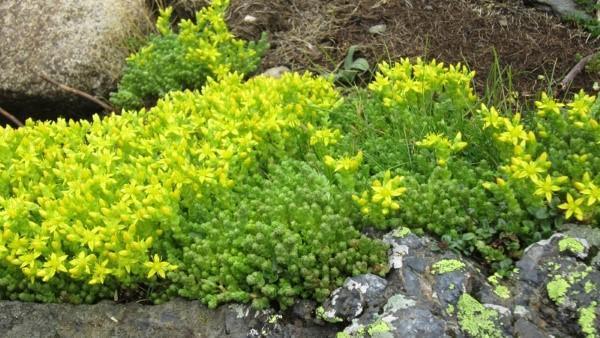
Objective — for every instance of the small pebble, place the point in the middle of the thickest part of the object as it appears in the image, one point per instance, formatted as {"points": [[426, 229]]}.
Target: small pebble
{"points": [[377, 29], [249, 19], [276, 72]]}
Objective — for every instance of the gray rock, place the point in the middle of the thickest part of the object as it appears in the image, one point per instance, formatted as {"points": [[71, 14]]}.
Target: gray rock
{"points": [[563, 8], [177, 318], [276, 72], [304, 309], [350, 300], [450, 286], [526, 329], [82, 44], [402, 317]]}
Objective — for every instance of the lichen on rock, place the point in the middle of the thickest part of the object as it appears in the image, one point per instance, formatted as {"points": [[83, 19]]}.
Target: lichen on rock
{"points": [[477, 320], [587, 317], [447, 265], [571, 244]]}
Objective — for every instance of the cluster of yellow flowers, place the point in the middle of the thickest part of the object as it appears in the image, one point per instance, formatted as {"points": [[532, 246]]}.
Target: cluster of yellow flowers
{"points": [[528, 153], [87, 200], [442, 146], [345, 164], [383, 195], [407, 83]]}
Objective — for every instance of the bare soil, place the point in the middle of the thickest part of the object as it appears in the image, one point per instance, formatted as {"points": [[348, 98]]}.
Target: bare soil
{"points": [[316, 35]]}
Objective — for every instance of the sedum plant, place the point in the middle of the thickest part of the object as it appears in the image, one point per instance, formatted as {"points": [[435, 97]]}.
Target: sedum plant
{"points": [[176, 60], [188, 198], [486, 183]]}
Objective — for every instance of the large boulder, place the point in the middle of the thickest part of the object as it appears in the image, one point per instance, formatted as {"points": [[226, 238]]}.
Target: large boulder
{"points": [[177, 318], [80, 43]]}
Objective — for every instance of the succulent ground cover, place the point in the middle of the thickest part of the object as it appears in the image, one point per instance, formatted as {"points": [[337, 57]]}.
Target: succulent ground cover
{"points": [[259, 190]]}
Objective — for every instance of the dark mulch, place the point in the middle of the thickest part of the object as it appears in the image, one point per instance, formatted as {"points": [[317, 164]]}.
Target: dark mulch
{"points": [[316, 34]]}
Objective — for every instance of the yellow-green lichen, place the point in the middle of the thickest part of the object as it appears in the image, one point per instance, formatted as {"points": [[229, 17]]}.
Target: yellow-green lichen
{"points": [[378, 327], [589, 287], [500, 290], [342, 335], [450, 309], [557, 289], [274, 319], [477, 320], [571, 244], [587, 317], [447, 265], [401, 232], [327, 317]]}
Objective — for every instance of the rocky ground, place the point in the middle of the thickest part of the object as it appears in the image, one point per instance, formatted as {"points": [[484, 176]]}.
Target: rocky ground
{"points": [[554, 292]]}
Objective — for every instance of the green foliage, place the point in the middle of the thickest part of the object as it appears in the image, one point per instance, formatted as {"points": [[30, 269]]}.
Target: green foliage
{"points": [[484, 182], [591, 24], [201, 190], [351, 67], [257, 191], [186, 58], [278, 238]]}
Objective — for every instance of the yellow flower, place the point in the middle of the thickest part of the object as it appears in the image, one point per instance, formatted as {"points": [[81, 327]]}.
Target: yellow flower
{"points": [[100, 273], [386, 191], [581, 105], [515, 132], [433, 139], [571, 207], [158, 267], [81, 264], [548, 186], [592, 192], [29, 259], [491, 118], [344, 164], [531, 169], [548, 105], [325, 136], [52, 266]]}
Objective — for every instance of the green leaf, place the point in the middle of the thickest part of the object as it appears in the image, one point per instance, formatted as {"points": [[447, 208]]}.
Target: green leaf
{"points": [[360, 64]]}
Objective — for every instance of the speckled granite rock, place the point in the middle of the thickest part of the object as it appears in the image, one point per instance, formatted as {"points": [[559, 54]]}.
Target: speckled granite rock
{"points": [[82, 44]]}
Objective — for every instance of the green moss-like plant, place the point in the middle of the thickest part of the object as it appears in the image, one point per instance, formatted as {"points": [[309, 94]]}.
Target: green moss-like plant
{"points": [[184, 59]]}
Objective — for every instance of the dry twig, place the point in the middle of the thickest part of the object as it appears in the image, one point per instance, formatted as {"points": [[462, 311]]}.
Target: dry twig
{"points": [[11, 117], [108, 108], [579, 67]]}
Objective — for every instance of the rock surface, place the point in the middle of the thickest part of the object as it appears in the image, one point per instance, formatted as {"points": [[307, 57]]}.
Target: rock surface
{"points": [[563, 8], [177, 318], [82, 44], [554, 292]]}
